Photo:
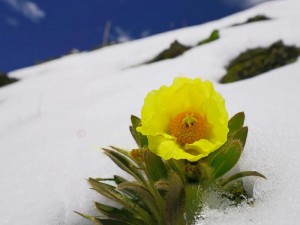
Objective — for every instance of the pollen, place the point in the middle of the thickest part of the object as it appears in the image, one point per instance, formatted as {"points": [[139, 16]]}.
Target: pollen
{"points": [[188, 127]]}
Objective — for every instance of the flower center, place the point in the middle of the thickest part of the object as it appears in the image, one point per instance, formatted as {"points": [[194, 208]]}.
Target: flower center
{"points": [[188, 127]]}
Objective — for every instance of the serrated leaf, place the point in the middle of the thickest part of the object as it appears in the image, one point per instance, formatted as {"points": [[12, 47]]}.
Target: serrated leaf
{"points": [[156, 169], [241, 175], [235, 123], [175, 201], [141, 140], [227, 158], [118, 214], [145, 197]]}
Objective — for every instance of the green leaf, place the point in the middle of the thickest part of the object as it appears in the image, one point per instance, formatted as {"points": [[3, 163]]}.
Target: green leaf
{"points": [[207, 175], [145, 197], [162, 186], [111, 193], [175, 201], [235, 191], [193, 203], [227, 158], [178, 166], [192, 172], [141, 140], [104, 179], [241, 136], [155, 167], [124, 163], [98, 184], [91, 218], [241, 175], [236, 123], [121, 151], [110, 222], [210, 158], [118, 180], [119, 214], [135, 121]]}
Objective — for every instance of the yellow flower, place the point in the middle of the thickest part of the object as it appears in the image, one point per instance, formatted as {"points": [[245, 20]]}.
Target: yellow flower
{"points": [[187, 120]]}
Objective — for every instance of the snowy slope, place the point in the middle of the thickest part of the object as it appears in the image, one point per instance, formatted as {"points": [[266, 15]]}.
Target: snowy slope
{"points": [[53, 121]]}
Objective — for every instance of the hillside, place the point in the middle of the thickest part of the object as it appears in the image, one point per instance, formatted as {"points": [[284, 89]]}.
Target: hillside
{"points": [[54, 120]]}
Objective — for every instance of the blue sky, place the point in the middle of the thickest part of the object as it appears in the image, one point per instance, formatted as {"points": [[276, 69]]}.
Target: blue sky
{"points": [[40, 29]]}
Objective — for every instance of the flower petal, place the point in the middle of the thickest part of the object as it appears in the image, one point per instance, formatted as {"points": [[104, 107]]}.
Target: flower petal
{"points": [[190, 96]]}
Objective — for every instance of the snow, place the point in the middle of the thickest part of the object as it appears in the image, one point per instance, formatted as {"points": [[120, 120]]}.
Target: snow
{"points": [[54, 121]]}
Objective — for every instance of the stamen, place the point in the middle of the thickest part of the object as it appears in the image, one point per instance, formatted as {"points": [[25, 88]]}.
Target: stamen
{"points": [[189, 120], [188, 127]]}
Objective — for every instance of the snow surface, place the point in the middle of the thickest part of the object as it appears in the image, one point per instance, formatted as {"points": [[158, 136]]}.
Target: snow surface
{"points": [[53, 121]]}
